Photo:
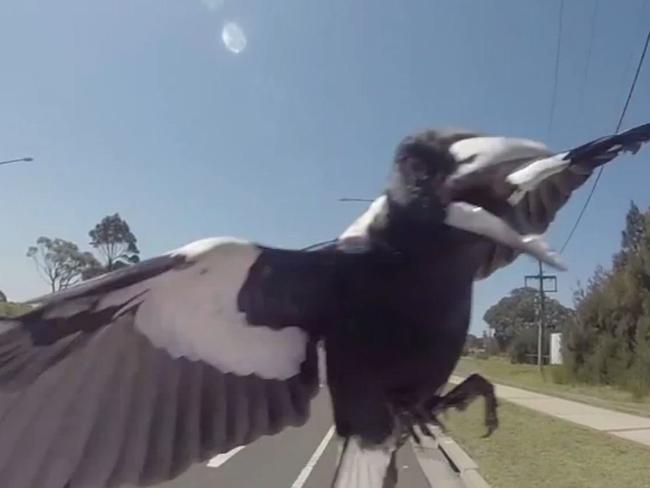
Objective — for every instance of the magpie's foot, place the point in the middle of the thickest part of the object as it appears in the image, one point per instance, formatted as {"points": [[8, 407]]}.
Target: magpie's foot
{"points": [[418, 417], [425, 418], [462, 395], [491, 417], [426, 430]]}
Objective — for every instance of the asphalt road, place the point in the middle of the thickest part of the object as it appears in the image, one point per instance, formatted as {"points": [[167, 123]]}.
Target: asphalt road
{"points": [[283, 461]]}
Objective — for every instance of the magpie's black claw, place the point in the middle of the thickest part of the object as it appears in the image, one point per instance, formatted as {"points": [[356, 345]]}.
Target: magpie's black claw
{"points": [[415, 435], [490, 431], [426, 430], [461, 405], [440, 424], [491, 418]]}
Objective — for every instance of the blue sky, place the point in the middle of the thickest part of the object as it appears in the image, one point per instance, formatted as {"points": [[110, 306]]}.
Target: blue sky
{"points": [[137, 107]]}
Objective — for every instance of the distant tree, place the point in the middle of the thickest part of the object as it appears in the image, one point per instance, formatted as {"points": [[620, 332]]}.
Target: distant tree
{"points": [[60, 262], [524, 345], [490, 344], [631, 237], [609, 341], [520, 310], [472, 342], [115, 242], [511, 314], [93, 270], [3, 297]]}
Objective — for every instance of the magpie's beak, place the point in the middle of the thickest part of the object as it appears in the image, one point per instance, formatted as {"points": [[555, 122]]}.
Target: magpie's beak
{"points": [[477, 220]]}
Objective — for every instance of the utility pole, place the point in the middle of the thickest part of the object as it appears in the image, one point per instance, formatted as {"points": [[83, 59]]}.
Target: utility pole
{"points": [[540, 327], [541, 278]]}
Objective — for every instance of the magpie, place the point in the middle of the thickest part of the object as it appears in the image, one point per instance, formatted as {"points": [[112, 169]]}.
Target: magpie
{"points": [[133, 376]]}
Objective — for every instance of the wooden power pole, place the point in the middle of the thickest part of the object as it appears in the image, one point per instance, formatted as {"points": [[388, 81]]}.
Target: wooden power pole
{"points": [[541, 279]]}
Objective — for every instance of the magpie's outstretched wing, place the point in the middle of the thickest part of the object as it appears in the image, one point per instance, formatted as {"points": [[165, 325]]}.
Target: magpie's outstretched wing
{"points": [[523, 183], [133, 376]]}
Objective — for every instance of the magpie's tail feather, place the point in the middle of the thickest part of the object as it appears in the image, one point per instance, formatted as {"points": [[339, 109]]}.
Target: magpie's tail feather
{"points": [[603, 150], [365, 467]]}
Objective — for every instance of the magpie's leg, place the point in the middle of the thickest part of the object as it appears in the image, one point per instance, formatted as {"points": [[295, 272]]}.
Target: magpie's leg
{"points": [[390, 480], [424, 417], [420, 417], [461, 395], [425, 428], [414, 434]]}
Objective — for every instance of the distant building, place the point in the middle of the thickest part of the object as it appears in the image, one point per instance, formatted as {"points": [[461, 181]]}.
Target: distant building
{"points": [[556, 348]]}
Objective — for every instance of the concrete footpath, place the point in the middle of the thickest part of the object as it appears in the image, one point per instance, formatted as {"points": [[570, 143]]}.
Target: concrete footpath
{"points": [[631, 427]]}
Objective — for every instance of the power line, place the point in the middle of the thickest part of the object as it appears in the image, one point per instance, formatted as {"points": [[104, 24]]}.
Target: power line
{"points": [[634, 81], [329, 242], [556, 76], [541, 276], [618, 128], [319, 245], [590, 46], [10, 161]]}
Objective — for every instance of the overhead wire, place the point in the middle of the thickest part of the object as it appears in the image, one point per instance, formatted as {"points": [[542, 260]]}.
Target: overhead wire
{"points": [[590, 46], [618, 128], [319, 245], [556, 76], [556, 72]]}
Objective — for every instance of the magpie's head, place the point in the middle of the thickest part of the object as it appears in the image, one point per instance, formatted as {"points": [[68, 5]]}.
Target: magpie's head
{"points": [[441, 182], [421, 167], [456, 182]]}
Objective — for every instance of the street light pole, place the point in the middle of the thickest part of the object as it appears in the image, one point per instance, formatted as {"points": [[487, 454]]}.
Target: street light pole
{"points": [[20, 160], [355, 200]]}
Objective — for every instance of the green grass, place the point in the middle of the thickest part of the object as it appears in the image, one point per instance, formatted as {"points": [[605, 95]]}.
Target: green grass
{"points": [[10, 309], [532, 450], [499, 370]]}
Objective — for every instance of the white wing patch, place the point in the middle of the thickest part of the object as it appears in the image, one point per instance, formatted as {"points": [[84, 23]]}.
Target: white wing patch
{"points": [[196, 249], [355, 238], [192, 312], [528, 177], [488, 151]]}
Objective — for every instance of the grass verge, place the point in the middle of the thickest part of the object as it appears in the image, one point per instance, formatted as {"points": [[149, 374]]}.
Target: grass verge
{"points": [[533, 450], [499, 370]]}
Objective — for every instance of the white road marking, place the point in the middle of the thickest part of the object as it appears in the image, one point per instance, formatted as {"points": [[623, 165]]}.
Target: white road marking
{"points": [[306, 471], [219, 459]]}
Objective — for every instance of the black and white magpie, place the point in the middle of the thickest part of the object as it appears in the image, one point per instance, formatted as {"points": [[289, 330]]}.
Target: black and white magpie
{"points": [[131, 377]]}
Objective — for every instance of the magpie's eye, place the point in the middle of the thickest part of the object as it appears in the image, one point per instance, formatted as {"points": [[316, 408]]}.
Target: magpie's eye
{"points": [[416, 165]]}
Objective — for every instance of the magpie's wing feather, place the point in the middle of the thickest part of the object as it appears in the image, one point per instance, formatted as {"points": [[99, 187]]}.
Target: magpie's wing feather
{"points": [[133, 376], [524, 183]]}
